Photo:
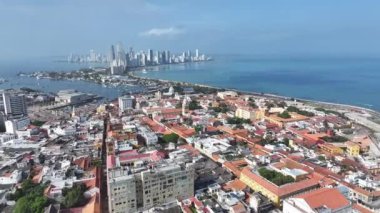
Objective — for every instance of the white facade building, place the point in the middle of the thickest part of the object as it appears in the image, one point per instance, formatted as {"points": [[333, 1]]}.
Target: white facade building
{"points": [[139, 187], [11, 126], [126, 102], [149, 136], [5, 137]]}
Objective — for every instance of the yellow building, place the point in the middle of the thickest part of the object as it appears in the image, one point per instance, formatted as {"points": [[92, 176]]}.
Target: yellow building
{"points": [[274, 118], [273, 192], [260, 114], [331, 149], [353, 149], [101, 109], [246, 113]]}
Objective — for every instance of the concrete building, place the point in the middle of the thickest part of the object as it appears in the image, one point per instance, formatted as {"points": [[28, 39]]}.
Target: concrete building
{"points": [[134, 184], [72, 97], [13, 105], [126, 102], [273, 192], [5, 137], [149, 136], [210, 146], [11, 126], [227, 94], [246, 113]]}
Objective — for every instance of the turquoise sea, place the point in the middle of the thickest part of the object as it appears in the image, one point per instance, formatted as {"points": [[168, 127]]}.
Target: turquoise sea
{"points": [[353, 81]]}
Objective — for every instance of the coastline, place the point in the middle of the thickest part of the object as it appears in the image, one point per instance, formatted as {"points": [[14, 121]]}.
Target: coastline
{"points": [[265, 95]]}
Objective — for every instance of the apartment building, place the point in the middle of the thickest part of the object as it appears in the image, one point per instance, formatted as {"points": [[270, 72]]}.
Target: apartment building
{"points": [[145, 181]]}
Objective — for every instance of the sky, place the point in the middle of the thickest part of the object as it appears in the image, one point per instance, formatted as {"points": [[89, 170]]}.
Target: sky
{"points": [[260, 27]]}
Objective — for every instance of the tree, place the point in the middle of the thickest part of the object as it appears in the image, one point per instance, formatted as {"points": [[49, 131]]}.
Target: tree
{"points": [[74, 197], [193, 105], [285, 114], [30, 198], [275, 177], [335, 138], [301, 112], [170, 138], [22, 205], [237, 120], [198, 128], [38, 204]]}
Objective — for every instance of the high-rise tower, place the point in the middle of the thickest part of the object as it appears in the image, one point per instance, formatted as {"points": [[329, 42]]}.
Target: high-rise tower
{"points": [[13, 105]]}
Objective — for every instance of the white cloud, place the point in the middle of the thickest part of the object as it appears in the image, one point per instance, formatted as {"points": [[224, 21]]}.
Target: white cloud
{"points": [[168, 32]]}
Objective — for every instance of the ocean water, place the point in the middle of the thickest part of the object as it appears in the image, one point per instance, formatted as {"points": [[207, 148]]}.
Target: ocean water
{"points": [[10, 69], [354, 81]]}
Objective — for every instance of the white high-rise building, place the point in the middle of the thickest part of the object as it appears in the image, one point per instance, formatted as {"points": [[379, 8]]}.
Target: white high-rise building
{"points": [[13, 105], [119, 64], [126, 102], [92, 56], [139, 185]]}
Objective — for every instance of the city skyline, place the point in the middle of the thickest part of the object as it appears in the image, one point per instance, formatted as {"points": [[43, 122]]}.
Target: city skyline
{"points": [[250, 27]]}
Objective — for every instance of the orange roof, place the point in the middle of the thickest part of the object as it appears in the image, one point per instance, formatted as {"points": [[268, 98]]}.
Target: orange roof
{"points": [[171, 111], [236, 185], [361, 208], [238, 208], [235, 166], [329, 197], [82, 162], [314, 137]]}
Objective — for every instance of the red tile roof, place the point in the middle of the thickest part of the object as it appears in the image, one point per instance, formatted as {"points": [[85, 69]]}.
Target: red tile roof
{"points": [[361, 208], [235, 185], [329, 197]]}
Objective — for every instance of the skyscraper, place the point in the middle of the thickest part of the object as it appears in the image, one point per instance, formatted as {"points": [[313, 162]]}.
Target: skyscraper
{"points": [[167, 56], [163, 57], [158, 61], [92, 56], [119, 63], [150, 56], [13, 105], [112, 54]]}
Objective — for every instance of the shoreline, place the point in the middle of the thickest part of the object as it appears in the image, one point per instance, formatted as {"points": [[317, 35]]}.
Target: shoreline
{"points": [[266, 95], [132, 73]]}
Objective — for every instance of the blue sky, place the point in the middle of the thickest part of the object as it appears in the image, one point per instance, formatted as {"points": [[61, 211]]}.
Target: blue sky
{"points": [[261, 27]]}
